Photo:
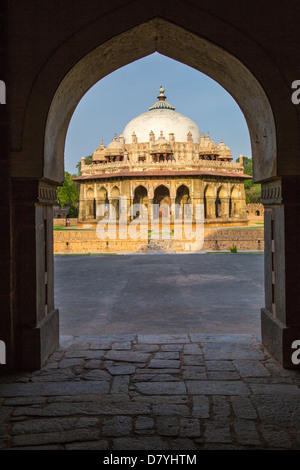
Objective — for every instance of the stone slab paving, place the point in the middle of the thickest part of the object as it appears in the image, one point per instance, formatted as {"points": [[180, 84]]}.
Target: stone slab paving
{"points": [[155, 392]]}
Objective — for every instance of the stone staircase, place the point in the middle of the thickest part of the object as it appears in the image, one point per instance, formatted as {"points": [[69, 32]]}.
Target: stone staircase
{"points": [[158, 246]]}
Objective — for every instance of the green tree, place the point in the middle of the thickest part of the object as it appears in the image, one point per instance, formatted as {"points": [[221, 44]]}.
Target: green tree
{"points": [[247, 162], [253, 195], [252, 190], [88, 161], [68, 194]]}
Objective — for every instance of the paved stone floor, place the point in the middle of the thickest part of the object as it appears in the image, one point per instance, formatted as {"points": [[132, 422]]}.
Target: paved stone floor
{"points": [[183, 293], [153, 392]]}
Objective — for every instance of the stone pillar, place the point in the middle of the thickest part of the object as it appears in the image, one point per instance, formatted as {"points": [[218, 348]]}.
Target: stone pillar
{"points": [[89, 204], [210, 207], [153, 222], [150, 210], [36, 319], [100, 202], [225, 207], [280, 319], [81, 211], [172, 213], [195, 201]]}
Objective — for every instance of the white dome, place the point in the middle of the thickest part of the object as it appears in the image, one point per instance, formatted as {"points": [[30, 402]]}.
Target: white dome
{"points": [[161, 117]]}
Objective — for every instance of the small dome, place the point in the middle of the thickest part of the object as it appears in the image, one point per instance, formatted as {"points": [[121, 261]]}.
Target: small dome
{"points": [[161, 116], [224, 150], [208, 146], [115, 148], [161, 145]]}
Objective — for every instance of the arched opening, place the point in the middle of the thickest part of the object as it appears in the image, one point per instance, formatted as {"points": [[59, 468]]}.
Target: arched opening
{"points": [[141, 199], [224, 67], [162, 200], [90, 206], [182, 199], [209, 202], [221, 202], [234, 201], [102, 199], [115, 200], [255, 59]]}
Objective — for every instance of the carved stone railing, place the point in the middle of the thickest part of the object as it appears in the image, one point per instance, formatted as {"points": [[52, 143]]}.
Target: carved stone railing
{"points": [[174, 165]]}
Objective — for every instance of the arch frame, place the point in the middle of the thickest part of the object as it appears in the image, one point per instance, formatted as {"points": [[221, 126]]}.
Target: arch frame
{"points": [[155, 35], [61, 80]]}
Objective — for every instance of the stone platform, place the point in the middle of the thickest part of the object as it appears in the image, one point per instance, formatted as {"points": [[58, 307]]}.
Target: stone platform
{"points": [[153, 392]]}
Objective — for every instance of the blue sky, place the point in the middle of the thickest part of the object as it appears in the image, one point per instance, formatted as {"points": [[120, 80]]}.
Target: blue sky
{"points": [[129, 91]]}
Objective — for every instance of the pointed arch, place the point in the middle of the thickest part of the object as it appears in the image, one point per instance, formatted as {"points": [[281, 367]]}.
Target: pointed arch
{"points": [[209, 202], [182, 199], [102, 193], [234, 201], [142, 200], [90, 193], [114, 200]]}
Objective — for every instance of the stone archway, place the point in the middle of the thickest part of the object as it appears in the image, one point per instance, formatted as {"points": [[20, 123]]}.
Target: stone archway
{"points": [[114, 200], [55, 92], [182, 198], [163, 202], [234, 202], [142, 200], [209, 202], [154, 36], [221, 202]]}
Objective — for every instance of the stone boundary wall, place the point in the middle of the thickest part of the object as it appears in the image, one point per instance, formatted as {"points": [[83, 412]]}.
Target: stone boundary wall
{"points": [[62, 221], [68, 242], [243, 239]]}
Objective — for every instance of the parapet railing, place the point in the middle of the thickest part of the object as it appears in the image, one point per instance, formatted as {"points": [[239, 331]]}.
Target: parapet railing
{"points": [[176, 165]]}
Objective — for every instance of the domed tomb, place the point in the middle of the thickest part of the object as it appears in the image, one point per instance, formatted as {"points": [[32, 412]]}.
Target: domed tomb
{"points": [[161, 116]]}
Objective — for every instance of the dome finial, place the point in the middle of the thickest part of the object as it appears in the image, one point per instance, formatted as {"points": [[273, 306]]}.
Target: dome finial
{"points": [[161, 96], [161, 103]]}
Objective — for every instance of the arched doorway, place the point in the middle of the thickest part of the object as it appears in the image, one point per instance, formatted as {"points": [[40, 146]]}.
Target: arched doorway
{"points": [[209, 203], [142, 201], [221, 202], [234, 202], [115, 200], [182, 199], [62, 92], [90, 204], [163, 202]]}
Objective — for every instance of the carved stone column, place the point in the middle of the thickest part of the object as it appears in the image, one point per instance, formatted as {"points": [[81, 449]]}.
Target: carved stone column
{"points": [[225, 207], [210, 207], [81, 211], [172, 212], [36, 319], [281, 316]]}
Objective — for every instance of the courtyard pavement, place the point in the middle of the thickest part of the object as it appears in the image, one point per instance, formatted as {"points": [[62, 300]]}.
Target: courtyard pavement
{"points": [[170, 375], [153, 392], [145, 294]]}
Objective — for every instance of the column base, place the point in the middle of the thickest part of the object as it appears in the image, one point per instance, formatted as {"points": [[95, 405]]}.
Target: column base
{"points": [[278, 339], [40, 342]]}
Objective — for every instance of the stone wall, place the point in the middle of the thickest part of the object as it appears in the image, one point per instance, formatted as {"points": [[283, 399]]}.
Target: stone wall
{"points": [[215, 239], [243, 239], [62, 221]]}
